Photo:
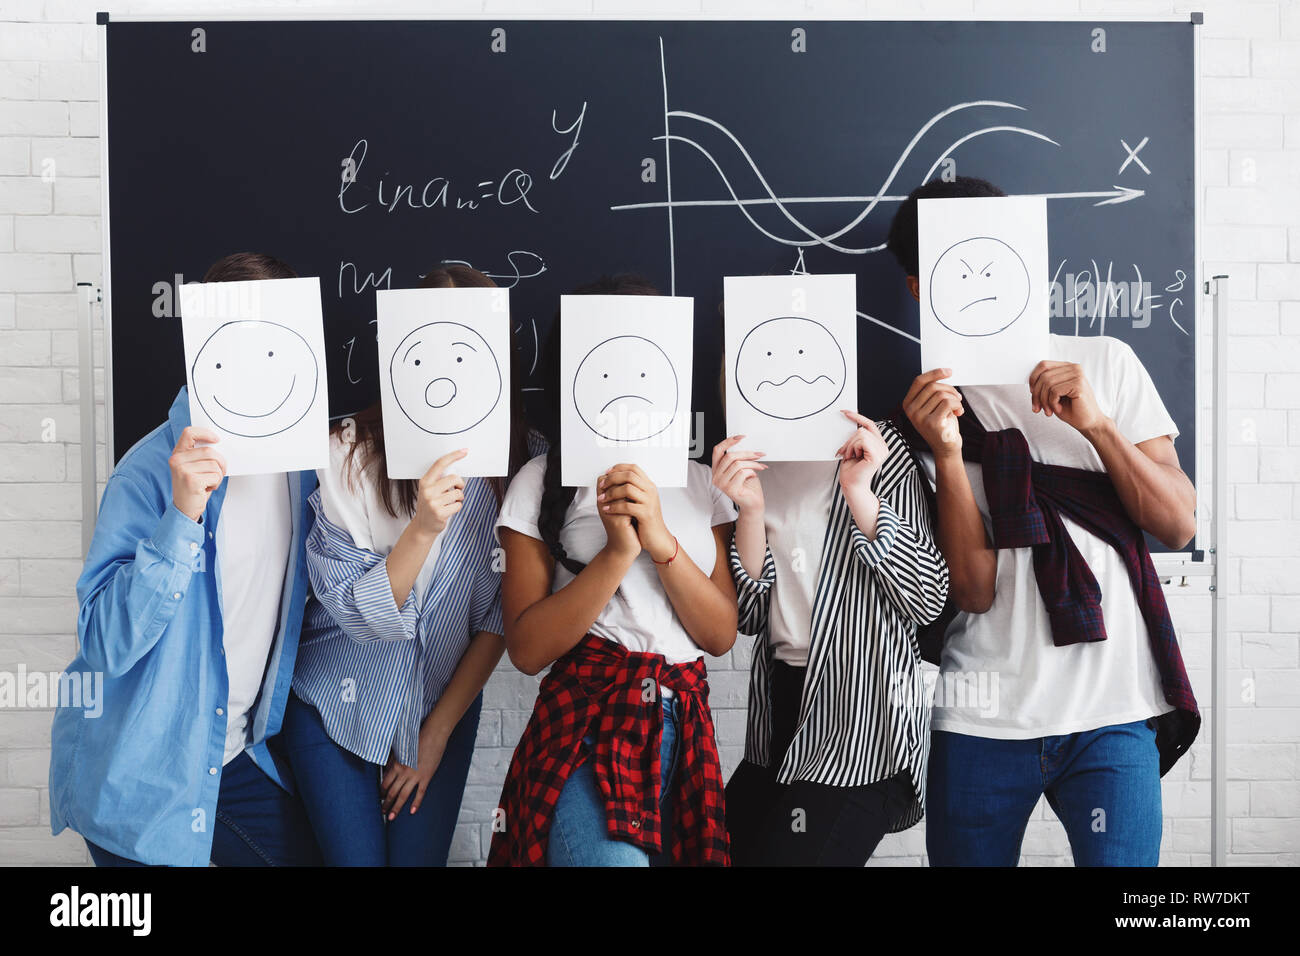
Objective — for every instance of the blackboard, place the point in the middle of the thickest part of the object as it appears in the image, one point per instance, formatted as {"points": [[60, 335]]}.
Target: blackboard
{"points": [[536, 152]]}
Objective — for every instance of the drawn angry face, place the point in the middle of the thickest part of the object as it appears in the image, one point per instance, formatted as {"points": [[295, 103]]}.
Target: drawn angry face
{"points": [[625, 389], [445, 378], [979, 287], [790, 368], [255, 378]]}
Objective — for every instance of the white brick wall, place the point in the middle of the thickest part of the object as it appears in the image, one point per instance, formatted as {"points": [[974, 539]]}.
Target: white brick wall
{"points": [[49, 238]]}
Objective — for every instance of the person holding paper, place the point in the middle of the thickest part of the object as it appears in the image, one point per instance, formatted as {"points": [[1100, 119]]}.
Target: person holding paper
{"points": [[623, 588], [835, 568], [1060, 672], [192, 601], [401, 635]]}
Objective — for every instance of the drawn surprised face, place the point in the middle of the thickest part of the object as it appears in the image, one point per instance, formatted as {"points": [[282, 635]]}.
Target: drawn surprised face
{"points": [[445, 378], [625, 389], [254, 378], [790, 368], [979, 286]]}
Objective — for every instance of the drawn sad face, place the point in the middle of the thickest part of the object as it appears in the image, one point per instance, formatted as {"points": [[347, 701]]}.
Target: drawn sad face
{"points": [[979, 287], [445, 378], [625, 389], [255, 378], [790, 368]]}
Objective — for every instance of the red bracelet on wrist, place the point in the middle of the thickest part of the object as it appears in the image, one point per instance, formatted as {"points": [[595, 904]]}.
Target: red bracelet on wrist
{"points": [[677, 546]]}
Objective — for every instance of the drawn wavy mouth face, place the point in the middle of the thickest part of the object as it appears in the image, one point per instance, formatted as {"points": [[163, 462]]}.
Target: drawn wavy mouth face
{"points": [[239, 378], [791, 377], [979, 287], [445, 378], [625, 389], [790, 368]]}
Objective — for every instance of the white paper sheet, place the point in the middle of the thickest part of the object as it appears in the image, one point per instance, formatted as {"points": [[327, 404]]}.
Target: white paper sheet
{"points": [[255, 366], [984, 287], [625, 383], [444, 379], [791, 360]]}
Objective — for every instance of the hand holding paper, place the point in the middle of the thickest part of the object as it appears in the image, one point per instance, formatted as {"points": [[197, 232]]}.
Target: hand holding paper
{"points": [[932, 406]]}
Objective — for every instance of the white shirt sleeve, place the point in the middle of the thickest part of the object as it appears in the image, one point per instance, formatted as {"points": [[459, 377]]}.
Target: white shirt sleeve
{"points": [[523, 500], [1139, 411], [342, 505]]}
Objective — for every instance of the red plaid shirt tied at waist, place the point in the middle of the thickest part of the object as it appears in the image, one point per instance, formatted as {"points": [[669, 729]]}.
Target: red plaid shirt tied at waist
{"points": [[1027, 500], [602, 690]]}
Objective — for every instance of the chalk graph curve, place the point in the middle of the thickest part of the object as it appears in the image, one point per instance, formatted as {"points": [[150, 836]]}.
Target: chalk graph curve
{"points": [[815, 238], [828, 239]]}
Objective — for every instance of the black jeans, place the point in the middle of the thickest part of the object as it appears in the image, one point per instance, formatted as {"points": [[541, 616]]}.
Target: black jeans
{"points": [[802, 823]]}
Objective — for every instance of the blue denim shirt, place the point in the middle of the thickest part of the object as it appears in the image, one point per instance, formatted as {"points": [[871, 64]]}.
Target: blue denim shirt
{"points": [[141, 777]]}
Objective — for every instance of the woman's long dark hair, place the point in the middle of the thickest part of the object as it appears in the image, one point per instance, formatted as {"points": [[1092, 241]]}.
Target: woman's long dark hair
{"points": [[556, 497], [366, 443]]}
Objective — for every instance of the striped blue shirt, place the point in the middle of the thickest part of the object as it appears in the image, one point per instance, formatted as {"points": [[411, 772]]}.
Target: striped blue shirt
{"points": [[373, 670]]}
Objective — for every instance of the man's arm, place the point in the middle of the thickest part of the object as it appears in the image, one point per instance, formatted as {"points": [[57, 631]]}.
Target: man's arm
{"points": [[972, 561], [141, 563], [136, 575], [1156, 493]]}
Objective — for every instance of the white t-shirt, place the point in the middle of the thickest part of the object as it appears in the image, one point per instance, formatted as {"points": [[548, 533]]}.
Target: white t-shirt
{"points": [[1001, 676], [253, 535], [639, 616], [350, 499], [797, 498]]}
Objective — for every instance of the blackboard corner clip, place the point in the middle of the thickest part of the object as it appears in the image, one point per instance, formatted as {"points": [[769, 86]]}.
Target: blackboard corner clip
{"points": [[101, 18], [1198, 17]]}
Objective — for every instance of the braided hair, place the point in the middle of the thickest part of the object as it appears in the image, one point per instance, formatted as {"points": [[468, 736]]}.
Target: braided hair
{"points": [[556, 498]]}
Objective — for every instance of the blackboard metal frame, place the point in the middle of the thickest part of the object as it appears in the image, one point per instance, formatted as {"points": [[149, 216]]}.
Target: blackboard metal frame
{"points": [[103, 17], [1208, 563]]}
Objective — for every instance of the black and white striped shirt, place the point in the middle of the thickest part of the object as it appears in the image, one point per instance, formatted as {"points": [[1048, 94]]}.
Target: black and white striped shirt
{"points": [[865, 713]]}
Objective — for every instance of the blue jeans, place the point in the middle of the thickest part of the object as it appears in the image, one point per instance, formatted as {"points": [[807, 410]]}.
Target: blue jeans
{"points": [[341, 792], [1103, 785], [258, 824], [579, 834]]}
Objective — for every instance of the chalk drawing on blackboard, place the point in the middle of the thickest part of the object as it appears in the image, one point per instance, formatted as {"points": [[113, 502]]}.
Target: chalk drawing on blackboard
{"points": [[625, 389], [254, 378], [979, 286], [800, 233], [789, 367], [445, 377], [1132, 156]]}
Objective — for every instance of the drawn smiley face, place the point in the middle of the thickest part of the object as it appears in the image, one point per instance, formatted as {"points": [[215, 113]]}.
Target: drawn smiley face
{"points": [[979, 286], [445, 378], [255, 378], [625, 389], [790, 368]]}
